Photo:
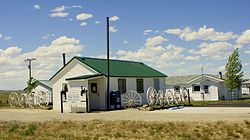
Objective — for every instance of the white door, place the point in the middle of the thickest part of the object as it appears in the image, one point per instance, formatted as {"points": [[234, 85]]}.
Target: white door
{"points": [[94, 96]]}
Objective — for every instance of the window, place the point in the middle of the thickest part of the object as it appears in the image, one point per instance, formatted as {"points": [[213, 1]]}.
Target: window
{"points": [[177, 88], [94, 87], [196, 88], [206, 89], [122, 85], [139, 85], [157, 84]]}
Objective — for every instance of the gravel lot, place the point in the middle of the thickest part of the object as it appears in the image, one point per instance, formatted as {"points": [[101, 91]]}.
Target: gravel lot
{"points": [[192, 114]]}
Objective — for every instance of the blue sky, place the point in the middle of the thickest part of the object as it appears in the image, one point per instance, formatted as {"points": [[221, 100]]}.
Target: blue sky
{"points": [[175, 37]]}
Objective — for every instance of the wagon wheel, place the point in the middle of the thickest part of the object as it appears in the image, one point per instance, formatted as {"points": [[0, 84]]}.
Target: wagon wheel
{"points": [[184, 95], [13, 99], [177, 97], [22, 100], [170, 97], [30, 100], [162, 99], [42, 99], [152, 96], [131, 99]]}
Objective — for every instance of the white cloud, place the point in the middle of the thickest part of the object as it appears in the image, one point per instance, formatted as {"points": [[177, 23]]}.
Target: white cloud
{"points": [[158, 56], [114, 18], [97, 22], [244, 38], [83, 24], [5, 37], [203, 33], [155, 41], [125, 42], [190, 57], [74, 6], [59, 14], [58, 9], [36, 6], [175, 31], [112, 29], [48, 36], [147, 32], [247, 51], [83, 16], [48, 61], [215, 50]]}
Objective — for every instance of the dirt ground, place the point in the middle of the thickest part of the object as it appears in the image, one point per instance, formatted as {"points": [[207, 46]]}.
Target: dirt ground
{"points": [[191, 114]]}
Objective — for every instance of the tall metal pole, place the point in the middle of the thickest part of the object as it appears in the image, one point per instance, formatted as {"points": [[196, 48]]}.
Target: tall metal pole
{"points": [[108, 96]]}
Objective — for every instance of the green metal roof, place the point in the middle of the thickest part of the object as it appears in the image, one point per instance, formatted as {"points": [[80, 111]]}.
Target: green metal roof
{"points": [[84, 77], [121, 68]]}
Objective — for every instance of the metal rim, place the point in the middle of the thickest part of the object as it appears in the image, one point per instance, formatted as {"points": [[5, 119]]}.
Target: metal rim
{"points": [[131, 99]]}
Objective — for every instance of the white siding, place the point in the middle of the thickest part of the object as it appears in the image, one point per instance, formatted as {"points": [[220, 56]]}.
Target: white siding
{"points": [[47, 91], [73, 69]]}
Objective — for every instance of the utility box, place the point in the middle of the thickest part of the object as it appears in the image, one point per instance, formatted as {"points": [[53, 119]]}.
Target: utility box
{"points": [[115, 100]]}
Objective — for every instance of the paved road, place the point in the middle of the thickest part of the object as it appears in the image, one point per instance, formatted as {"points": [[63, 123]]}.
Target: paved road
{"points": [[192, 114]]}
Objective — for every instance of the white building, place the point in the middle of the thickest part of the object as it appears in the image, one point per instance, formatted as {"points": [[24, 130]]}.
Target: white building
{"points": [[46, 87], [91, 74], [201, 87], [245, 88]]}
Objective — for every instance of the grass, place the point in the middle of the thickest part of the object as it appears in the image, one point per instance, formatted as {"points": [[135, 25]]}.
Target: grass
{"points": [[98, 129], [207, 103]]}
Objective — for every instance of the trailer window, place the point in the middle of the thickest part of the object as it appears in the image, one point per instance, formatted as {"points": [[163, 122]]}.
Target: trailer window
{"points": [[206, 89], [196, 88]]}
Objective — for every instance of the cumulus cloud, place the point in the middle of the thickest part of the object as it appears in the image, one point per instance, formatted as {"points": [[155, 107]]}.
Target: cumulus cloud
{"points": [[97, 22], [113, 29], [83, 16], [159, 56], [244, 38], [48, 60], [190, 57], [36, 6], [203, 33], [59, 12], [215, 50], [155, 41]]}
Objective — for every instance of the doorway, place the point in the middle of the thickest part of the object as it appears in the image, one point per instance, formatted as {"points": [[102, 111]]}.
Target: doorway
{"points": [[94, 96]]}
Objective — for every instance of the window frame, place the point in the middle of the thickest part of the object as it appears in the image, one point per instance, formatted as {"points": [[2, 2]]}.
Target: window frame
{"points": [[196, 86], [206, 90], [123, 89], [138, 87]]}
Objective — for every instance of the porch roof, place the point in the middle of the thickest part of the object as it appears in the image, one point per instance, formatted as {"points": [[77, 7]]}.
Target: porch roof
{"points": [[84, 77]]}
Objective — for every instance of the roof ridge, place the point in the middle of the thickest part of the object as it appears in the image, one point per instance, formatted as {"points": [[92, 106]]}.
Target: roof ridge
{"points": [[109, 59]]}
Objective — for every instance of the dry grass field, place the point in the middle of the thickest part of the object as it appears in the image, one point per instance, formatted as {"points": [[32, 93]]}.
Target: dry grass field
{"points": [[97, 129]]}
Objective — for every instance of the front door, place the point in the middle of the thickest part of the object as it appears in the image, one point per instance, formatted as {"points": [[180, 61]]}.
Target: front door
{"points": [[94, 96]]}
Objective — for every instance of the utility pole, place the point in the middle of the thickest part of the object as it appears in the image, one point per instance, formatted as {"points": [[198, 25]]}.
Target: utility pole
{"points": [[202, 69], [29, 60], [108, 96]]}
